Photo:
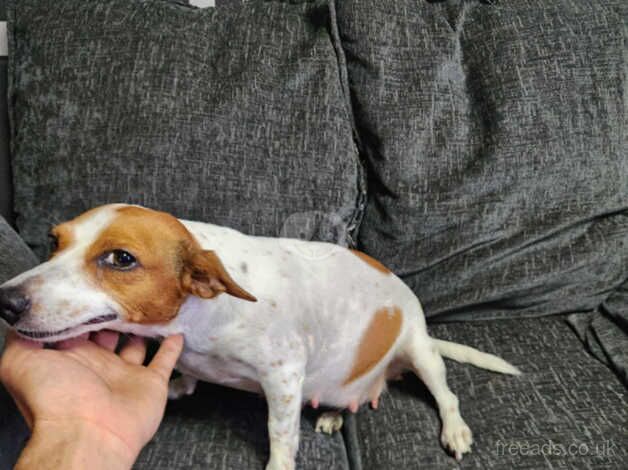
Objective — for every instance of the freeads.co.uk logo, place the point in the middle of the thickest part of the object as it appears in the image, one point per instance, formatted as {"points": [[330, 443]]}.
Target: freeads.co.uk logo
{"points": [[547, 448]]}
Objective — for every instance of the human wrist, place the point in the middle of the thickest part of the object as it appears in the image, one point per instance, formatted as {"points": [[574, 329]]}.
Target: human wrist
{"points": [[75, 445]]}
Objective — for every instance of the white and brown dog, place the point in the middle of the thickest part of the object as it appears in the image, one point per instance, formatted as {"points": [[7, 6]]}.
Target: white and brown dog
{"points": [[302, 321]]}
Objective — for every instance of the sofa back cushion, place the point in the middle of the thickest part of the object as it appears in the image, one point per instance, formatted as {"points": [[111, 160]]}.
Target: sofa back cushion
{"points": [[232, 115], [494, 137]]}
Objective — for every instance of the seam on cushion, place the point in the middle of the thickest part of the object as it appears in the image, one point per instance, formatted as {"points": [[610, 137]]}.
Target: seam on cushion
{"points": [[354, 224], [352, 442]]}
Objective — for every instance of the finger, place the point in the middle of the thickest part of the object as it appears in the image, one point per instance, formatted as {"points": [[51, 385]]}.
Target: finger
{"points": [[106, 339], [72, 342], [134, 351], [15, 346], [167, 355]]}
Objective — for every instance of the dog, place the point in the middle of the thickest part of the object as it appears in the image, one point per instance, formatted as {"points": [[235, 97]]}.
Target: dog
{"points": [[299, 322]]}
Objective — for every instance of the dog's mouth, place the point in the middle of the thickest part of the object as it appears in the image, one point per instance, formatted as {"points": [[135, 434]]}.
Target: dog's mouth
{"points": [[49, 334]]}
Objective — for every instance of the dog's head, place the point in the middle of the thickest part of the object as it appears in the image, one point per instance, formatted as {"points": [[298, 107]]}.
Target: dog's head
{"points": [[116, 263]]}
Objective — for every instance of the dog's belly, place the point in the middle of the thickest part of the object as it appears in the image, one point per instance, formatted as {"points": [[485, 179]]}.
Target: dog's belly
{"points": [[232, 373]]}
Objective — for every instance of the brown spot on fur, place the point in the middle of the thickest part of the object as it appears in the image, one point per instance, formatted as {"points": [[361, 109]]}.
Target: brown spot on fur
{"points": [[65, 237], [378, 338], [286, 399], [172, 265], [371, 261]]}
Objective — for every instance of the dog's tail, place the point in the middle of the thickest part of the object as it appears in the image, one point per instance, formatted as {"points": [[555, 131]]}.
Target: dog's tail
{"points": [[469, 355]]}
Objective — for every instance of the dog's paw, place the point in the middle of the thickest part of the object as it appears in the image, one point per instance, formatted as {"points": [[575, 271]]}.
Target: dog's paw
{"points": [[329, 422], [456, 436], [180, 387]]}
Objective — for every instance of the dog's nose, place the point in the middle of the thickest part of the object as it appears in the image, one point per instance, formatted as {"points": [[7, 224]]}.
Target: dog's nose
{"points": [[13, 304]]}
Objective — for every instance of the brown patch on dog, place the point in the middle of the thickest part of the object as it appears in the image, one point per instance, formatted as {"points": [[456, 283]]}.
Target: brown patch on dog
{"points": [[205, 276], [371, 261], [378, 338], [65, 238], [64, 233], [171, 266]]}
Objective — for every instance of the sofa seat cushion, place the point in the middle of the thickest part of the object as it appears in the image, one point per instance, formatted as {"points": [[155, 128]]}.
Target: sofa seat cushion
{"points": [[221, 429], [215, 428], [567, 410]]}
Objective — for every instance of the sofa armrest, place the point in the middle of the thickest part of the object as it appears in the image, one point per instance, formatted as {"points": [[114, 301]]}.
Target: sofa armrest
{"points": [[15, 256]]}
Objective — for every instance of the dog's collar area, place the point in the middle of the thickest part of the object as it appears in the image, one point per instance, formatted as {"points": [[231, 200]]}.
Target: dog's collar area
{"points": [[48, 334]]}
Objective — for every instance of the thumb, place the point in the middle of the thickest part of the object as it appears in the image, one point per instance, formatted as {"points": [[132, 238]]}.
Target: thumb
{"points": [[167, 355]]}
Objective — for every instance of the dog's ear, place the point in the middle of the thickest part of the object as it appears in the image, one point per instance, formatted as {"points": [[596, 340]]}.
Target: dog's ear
{"points": [[204, 275]]}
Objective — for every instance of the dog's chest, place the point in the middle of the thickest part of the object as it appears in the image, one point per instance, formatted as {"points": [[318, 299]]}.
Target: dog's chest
{"points": [[220, 369]]}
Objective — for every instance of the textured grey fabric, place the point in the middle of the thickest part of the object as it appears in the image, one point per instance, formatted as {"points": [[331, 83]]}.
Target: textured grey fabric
{"points": [[216, 428], [219, 428], [605, 333], [566, 411], [495, 142], [234, 115], [15, 257], [6, 188]]}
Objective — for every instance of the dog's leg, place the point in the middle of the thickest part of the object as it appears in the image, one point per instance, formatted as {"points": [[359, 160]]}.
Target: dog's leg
{"points": [[181, 386], [283, 391], [429, 366], [328, 422]]}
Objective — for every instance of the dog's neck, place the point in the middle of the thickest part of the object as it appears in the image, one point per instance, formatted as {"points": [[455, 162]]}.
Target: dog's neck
{"points": [[200, 319]]}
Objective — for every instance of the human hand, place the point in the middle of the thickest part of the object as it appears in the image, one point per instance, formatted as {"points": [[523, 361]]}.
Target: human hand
{"points": [[85, 401]]}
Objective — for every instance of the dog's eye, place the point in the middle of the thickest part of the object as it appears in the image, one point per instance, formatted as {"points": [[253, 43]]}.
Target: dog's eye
{"points": [[53, 242], [120, 259]]}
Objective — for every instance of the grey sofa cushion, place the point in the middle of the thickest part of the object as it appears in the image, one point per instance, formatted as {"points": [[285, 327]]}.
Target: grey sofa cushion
{"points": [[216, 428], [224, 429], [494, 135], [15, 256], [567, 410], [605, 332], [6, 188], [234, 115]]}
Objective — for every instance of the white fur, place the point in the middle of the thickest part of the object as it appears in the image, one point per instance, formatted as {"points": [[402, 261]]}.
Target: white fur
{"points": [[297, 343]]}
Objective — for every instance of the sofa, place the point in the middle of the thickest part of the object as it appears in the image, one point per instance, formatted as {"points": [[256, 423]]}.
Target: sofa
{"points": [[476, 148]]}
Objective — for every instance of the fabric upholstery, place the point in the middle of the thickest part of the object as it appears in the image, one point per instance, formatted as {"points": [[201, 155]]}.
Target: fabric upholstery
{"points": [[15, 258], [225, 429], [494, 137], [234, 115], [216, 428], [605, 332], [567, 410], [6, 187]]}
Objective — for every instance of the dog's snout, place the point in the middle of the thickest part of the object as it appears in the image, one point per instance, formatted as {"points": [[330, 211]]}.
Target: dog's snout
{"points": [[13, 304]]}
